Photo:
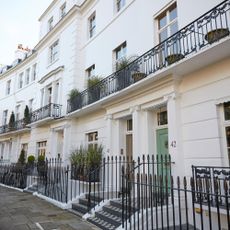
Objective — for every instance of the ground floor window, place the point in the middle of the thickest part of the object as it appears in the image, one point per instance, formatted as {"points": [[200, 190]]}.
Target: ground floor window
{"points": [[227, 127], [41, 148], [92, 139], [25, 148]]}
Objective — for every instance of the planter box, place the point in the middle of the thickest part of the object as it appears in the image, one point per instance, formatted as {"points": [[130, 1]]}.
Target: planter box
{"points": [[174, 58], [215, 35], [138, 76]]}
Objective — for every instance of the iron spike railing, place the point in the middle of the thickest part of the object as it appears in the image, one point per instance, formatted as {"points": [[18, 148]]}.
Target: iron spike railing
{"points": [[207, 29]]}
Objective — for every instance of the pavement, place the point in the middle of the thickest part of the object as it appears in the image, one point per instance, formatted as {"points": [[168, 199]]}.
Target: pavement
{"points": [[23, 211]]}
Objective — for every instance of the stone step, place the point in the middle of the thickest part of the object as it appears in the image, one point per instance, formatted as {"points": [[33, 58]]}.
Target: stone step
{"points": [[84, 202], [115, 220], [113, 210], [101, 223], [92, 197], [80, 208]]}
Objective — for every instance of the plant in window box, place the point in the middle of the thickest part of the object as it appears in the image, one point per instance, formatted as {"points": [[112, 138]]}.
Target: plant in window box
{"points": [[12, 122], [74, 99], [95, 87], [215, 35], [172, 58]]}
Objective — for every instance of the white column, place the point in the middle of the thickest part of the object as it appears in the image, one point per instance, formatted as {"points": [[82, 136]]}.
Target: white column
{"points": [[66, 143], [174, 140], [109, 134], [137, 134]]}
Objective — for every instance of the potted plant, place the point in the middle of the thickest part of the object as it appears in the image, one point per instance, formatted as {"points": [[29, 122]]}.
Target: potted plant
{"points": [[30, 163], [215, 35], [93, 161], [41, 166], [77, 159], [26, 115], [22, 157], [94, 88], [12, 122], [172, 58], [74, 99]]}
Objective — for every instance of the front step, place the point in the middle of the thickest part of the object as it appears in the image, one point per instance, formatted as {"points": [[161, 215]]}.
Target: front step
{"points": [[81, 208], [110, 217]]}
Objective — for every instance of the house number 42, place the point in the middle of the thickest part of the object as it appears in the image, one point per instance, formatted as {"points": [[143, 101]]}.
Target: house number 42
{"points": [[173, 144]]}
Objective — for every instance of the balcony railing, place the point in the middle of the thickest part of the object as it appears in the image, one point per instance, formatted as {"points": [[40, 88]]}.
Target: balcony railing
{"points": [[209, 183], [207, 29], [17, 125], [50, 110]]}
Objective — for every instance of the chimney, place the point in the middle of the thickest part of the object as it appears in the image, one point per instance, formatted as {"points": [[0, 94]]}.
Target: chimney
{"points": [[21, 52]]}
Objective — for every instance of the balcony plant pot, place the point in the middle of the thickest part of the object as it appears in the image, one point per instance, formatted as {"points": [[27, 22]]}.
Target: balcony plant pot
{"points": [[137, 76], [215, 35], [174, 58]]}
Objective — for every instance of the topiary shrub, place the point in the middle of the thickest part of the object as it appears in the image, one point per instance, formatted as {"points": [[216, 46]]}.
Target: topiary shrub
{"points": [[26, 115], [22, 157], [31, 159], [12, 121]]}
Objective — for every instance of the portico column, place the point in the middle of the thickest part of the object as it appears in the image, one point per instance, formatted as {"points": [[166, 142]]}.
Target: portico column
{"points": [[137, 134], [174, 140], [109, 135]]}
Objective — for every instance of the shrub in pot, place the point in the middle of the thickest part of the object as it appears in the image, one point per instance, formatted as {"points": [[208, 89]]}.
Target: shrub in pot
{"points": [[12, 122], [94, 88], [26, 115], [74, 99]]}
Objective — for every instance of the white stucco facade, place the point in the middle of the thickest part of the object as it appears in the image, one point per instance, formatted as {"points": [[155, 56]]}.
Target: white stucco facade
{"points": [[192, 91]]}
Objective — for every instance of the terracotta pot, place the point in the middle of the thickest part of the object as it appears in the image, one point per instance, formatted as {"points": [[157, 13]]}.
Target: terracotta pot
{"points": [[138, 76], [174, 58]]}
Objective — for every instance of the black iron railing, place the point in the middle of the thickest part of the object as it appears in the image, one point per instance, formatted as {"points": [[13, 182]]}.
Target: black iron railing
{"points": [[155, 202], [211, 179], [17, 125], [50, 110], [207, 29]]}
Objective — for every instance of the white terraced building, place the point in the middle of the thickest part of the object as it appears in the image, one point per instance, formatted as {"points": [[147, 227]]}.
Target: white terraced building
{"points": [[180, 107]]}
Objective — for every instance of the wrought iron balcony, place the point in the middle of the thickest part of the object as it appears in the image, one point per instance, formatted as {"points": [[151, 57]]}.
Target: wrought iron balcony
{"points": [[51, 110], [204, 31], [210, 183], [17, 125]]}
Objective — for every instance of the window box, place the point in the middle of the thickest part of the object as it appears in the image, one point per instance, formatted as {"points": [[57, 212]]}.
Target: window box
{"points": [[174, 58], [215, 35], [137, 76]]}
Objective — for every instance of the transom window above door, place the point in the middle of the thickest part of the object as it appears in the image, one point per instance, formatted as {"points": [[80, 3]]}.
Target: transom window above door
{"points": [[162, 117]]}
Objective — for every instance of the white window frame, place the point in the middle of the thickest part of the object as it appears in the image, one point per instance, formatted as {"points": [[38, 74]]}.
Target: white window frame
{"points": [[226, 124], [63, 10], [8, 85], [91, 71], [54, 52], [27, 76], [119, 53], [34, 72], [92, 24], [50, 23], [4, 117], [20, 80], [94, 141], [119, 4], [166, 12], [17, 112], [41, 148]]}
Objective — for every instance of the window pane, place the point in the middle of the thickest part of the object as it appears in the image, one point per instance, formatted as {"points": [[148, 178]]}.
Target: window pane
{"points": [[163, 35], [162, 118], [172, 14], [162, 21], [227, 111], [173, 28], [228, 136]]}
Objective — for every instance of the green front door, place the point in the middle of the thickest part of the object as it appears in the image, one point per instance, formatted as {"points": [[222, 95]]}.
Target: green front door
{"points": [[163, 167]]}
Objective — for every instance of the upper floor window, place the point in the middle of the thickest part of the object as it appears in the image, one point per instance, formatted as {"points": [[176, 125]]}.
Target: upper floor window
{"points": [[119, 4], [17, 112], [34, 72], [50, 24], [4, 117], [119, 53], [53, 52], [8, 83], [92, 25], [63, 10], [20, 80], [91, 71], [27, 76], [167, 23]]}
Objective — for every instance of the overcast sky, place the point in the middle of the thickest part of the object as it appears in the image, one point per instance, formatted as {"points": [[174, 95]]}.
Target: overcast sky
{"points": [[19, 25]]}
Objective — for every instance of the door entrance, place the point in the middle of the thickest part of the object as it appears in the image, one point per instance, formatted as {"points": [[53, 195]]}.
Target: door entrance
{"points": [[163, 167], [129, 145]]}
